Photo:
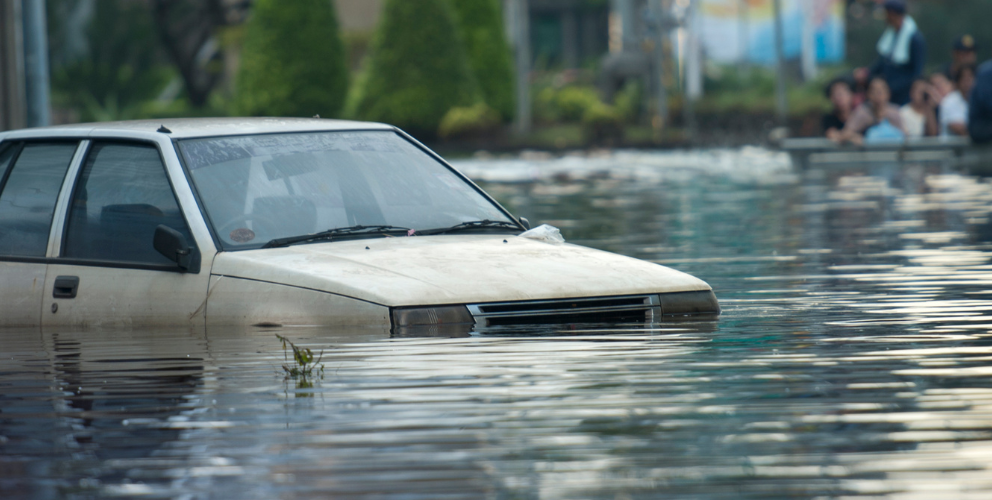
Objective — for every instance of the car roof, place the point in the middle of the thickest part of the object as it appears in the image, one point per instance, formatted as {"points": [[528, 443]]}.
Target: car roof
{"points": [[183, 128]]}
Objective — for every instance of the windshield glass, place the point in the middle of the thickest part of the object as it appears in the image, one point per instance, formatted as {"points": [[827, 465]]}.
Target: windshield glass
{"points": [[261, 187]]}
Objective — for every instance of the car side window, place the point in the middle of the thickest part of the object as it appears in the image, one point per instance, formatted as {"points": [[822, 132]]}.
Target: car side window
{"points": [[6, 154], [27, 201], [121, 197]]}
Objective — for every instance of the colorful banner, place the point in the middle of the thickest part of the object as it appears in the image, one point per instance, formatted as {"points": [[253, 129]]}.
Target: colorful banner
{"points": [[733, 30]]}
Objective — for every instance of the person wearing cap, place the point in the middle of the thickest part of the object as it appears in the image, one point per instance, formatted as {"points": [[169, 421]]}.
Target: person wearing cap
{"points": [[980, 106], [964, 52], [954, 108], [901, 53]]}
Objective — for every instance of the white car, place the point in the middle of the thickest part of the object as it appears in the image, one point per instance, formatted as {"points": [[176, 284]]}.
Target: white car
{"points": [[254, 221]]}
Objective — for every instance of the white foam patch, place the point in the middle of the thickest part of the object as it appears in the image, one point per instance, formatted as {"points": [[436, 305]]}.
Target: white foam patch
{"points": [[746, 165]]}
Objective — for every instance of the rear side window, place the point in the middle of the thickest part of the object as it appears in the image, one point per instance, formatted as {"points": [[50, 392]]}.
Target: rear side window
{"points": [[6, 154], [27, 201], [122, 195]]}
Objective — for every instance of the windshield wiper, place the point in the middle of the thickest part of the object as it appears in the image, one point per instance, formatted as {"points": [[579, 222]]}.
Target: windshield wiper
{"points": [[338, 231], [472, 225]]}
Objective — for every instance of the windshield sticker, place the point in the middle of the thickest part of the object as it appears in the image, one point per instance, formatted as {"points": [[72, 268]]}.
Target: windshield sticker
{"points": [[205, 152]]}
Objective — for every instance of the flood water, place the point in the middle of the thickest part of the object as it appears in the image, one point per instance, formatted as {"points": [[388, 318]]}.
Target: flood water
{"points": [[852, 359]]}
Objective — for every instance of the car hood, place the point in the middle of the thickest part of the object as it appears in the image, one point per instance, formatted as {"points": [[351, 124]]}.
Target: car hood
{"points": [[453, 269]]}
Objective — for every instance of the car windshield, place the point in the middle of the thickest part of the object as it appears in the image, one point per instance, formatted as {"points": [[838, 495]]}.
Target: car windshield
{"points": [[259, 188]]}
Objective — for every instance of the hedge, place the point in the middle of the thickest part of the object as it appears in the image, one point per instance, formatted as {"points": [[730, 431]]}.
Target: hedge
{"points": [[481, 26], [293, 61], [417, 70]]}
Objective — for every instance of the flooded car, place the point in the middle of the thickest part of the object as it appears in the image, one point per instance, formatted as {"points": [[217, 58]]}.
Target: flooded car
{"points": [[285, 222]]}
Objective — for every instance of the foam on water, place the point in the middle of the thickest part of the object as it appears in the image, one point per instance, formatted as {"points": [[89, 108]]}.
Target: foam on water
{"points": [[749, 164]]}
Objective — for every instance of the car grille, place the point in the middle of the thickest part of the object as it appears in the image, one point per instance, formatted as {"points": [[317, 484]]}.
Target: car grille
{"points": [[631, 309]]}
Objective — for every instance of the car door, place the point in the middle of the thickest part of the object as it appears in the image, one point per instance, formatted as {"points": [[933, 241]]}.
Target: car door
{"points": [[31, 177], [107, 271]]}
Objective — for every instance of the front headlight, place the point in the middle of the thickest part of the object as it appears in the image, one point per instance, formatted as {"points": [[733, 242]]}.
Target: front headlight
{"points": [[425, 316], [678, 304]]}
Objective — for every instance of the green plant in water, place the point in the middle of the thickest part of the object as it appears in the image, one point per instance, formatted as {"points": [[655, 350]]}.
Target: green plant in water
{"points": [[306, 364]]}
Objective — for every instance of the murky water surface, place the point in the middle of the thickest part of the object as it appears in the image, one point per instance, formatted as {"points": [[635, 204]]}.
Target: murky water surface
{"points": [[852, 359]]}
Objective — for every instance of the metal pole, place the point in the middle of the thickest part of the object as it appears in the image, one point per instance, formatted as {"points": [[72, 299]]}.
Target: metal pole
{"points": [[693, 71], [627, 23], [659, 13], [36, 63], [809, 41], [781, 105], [744, 34], [11, 66], [521, 43]]}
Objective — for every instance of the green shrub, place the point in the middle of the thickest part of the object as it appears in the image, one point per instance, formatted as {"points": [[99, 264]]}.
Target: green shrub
{"points": [[628, 101], [470, 121], [481, 27], [123, 69], [545, 105], [293, 62], [602, 123], [417, 70], [573, 102]]}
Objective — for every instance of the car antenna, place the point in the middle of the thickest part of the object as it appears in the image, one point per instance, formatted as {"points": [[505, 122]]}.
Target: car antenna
{"points": [[164, 130]]}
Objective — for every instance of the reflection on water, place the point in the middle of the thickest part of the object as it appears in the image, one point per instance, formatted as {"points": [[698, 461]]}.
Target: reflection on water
{"points": [[851, 359]]}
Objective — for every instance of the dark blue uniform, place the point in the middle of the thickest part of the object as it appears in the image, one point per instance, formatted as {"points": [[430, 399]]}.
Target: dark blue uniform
{"points": [[900, 76], [980, 105]]}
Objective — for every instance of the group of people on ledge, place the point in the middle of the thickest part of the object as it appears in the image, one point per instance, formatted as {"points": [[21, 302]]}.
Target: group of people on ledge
{"points": [[892, 101]]}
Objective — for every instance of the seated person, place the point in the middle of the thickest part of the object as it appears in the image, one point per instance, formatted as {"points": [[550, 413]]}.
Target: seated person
{"points": [[980, 106], [954, 107], [919, 117], [876, 111], [841, 96]]}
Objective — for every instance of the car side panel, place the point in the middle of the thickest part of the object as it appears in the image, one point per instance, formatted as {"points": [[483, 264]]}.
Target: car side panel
{"points": [[236, 301], [21, 286], [108, 296]]}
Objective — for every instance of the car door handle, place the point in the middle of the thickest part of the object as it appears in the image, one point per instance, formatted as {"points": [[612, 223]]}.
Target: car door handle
{"points": [[65, 287]]}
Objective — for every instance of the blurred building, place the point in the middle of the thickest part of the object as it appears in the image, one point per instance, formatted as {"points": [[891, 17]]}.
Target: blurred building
{"points": [[563, 33], [568, 33]]}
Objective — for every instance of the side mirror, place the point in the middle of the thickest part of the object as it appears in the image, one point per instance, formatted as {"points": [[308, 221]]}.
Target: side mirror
{"points": [[172, 244], [525, 222]]}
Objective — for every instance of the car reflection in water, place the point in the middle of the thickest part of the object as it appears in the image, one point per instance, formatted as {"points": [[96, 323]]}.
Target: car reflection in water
{"points": [[81, 411]]}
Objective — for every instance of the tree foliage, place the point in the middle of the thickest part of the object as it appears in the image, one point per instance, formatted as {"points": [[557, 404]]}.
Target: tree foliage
{"points": [[293, 61], [111, 65], [417, 70], [481, 26]]}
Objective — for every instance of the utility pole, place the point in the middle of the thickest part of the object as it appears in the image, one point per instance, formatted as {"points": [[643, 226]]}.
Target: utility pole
{"points": [[36, 63], [744, 34], [781, 105], [693, 69], [809, 41], [12, 113], [659, 14], [519, 19]]}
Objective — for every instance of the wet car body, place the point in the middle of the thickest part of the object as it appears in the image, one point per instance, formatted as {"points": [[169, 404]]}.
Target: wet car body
{"points": [[259, 221]]}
